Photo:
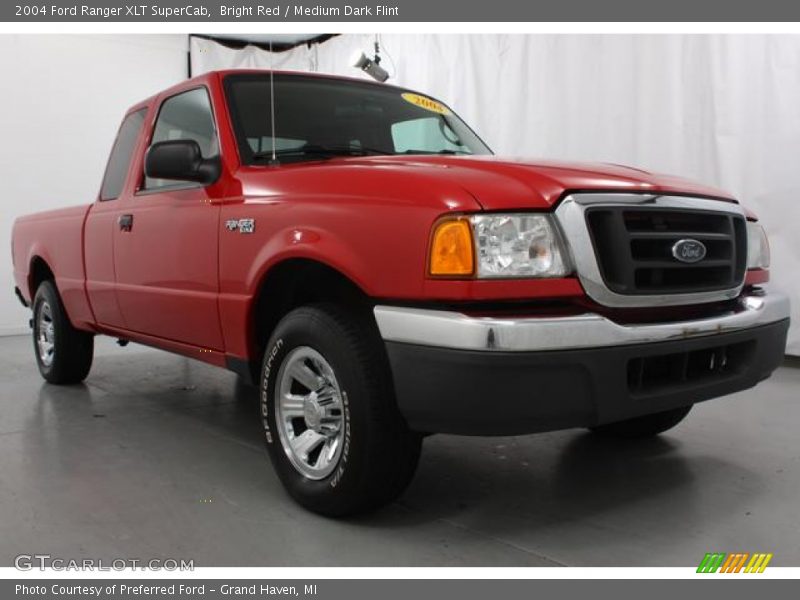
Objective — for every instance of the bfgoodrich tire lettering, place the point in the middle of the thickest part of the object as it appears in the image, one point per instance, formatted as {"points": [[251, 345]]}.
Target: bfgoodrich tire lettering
{"points": [[266, 372], [341, 353]]}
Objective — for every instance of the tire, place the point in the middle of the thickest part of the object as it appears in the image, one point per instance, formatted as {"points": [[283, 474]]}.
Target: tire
{"points": [[357, 454], [643, 427], [63, 354]]}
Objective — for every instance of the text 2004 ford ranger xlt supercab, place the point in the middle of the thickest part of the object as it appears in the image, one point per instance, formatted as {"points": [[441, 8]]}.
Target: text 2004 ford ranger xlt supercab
{"points": [[384, 277]]}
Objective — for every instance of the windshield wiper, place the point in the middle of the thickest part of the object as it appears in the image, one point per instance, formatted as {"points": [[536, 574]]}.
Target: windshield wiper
{"points": [[319, 151], [442, 151]]}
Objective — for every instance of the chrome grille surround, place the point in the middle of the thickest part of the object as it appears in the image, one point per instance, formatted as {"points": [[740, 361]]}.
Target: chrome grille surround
{"points": [[571, 217]]}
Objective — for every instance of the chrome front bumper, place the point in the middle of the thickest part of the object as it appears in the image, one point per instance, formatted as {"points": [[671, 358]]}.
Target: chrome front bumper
{"points": [[454, 330]]}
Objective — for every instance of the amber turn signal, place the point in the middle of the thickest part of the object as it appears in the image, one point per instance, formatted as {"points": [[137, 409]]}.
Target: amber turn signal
{"points": [[452, 251]]}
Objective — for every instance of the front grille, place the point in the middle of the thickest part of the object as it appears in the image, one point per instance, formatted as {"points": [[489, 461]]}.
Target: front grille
{"points": [[650, 374], [634, 249]]}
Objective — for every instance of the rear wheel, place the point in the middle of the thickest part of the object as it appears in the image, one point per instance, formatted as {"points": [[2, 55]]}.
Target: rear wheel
{"points": [[64, 354], [333, 431], [646, 426]]}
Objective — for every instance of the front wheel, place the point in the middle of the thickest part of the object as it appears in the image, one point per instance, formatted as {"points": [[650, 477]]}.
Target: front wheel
{"points": [[333, 430], [646, 426], [63, 354]]}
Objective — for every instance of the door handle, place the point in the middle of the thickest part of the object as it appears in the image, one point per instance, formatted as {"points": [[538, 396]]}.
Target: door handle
{"points": [[125, 222]]}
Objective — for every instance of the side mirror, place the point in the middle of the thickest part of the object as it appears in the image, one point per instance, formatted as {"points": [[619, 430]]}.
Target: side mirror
{"points": [[182, 160]]}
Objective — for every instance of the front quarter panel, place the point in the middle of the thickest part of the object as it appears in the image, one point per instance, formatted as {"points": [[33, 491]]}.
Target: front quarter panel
{"points": [[377, 237]]}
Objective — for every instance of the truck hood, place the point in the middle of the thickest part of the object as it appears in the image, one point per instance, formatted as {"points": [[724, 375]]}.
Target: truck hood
{"points": [[517, 183], [459, 183]]}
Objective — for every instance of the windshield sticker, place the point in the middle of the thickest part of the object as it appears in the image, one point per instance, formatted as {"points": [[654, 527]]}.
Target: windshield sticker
{"points": [[426, 103]]}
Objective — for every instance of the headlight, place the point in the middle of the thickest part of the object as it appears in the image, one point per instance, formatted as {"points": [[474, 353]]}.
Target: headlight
{"points": [[504, 245], [521, 245], [757, 247]]}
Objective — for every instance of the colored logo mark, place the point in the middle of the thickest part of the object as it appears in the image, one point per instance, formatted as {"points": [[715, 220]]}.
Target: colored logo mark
{"points": [[737, 562]]}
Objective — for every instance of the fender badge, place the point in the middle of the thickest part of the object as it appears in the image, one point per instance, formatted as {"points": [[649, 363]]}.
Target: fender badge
{"points": [[243, 225]]}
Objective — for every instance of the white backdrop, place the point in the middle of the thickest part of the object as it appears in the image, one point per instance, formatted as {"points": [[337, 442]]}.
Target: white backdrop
{"points": [[62, 100], [723, 109]]}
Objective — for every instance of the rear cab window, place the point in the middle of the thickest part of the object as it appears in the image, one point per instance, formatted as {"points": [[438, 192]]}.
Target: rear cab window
{"points": [[119, 160]]}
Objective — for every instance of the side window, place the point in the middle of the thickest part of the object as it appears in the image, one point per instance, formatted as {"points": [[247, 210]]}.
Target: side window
{"points": [[187, 116], [120, 158]]}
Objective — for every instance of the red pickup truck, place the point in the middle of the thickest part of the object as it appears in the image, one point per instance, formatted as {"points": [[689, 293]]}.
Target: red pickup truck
{"points": [[357, 250]]}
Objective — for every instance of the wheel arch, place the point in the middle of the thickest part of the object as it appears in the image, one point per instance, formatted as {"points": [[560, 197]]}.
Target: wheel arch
{"points": [[294, 282], [39, 271]]}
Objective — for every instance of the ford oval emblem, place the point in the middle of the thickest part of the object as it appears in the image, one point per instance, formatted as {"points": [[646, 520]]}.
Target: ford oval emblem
{"points": [[689, 251]]}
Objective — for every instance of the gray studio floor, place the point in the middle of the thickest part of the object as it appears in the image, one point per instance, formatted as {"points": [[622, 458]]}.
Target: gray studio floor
{"points": [[159, 456]]}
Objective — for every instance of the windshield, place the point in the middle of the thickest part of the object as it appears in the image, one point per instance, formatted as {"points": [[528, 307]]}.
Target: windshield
{"points": [[318, 118]]}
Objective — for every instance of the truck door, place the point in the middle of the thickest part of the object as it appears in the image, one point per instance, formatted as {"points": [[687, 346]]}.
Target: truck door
{"points": [[166, 240], [101, 222]]}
